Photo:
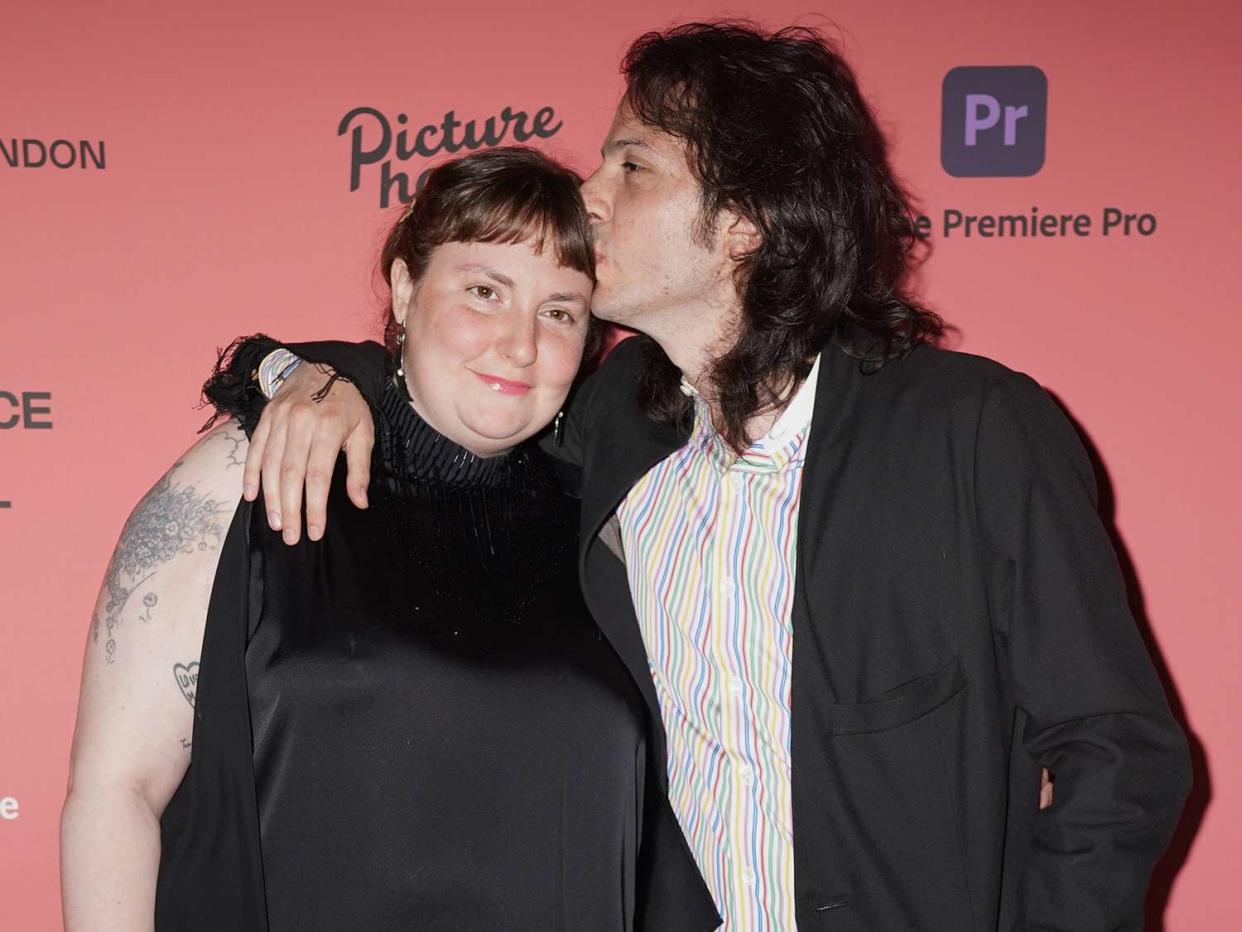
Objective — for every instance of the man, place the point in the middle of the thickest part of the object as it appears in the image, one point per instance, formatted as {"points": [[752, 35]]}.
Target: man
{"points": [[860, 581]]}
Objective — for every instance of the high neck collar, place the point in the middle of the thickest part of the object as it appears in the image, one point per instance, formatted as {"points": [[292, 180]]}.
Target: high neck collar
{"points": [[410, 448]]}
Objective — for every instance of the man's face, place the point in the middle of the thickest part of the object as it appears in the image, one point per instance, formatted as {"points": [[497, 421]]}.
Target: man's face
{"points": [[644, 203]]}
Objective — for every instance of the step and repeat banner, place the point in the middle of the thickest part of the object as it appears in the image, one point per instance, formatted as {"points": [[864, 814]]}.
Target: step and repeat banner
{"points": [[175, 174]]}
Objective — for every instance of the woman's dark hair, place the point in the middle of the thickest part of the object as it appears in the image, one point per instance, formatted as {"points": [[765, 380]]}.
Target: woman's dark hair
{"points": [[508, 194], [777, 132]]}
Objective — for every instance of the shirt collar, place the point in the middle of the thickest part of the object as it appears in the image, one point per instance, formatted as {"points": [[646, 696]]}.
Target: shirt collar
{"points": [[775, 449], [796, 417]]}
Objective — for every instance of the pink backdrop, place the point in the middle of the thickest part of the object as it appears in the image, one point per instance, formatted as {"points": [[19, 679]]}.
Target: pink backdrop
{"points": [[223, 206]]}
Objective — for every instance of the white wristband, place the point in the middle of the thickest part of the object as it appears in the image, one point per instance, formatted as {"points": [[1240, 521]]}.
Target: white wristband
{"points": [[276, 366]]}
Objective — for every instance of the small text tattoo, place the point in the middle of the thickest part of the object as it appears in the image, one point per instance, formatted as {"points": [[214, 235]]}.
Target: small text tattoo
{"points": [[170, 519], [187, 679]]}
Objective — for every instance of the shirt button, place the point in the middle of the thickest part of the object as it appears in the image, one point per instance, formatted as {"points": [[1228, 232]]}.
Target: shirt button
{"points": [[747, 776], [749, 875], [735, 687], [727, 586]]}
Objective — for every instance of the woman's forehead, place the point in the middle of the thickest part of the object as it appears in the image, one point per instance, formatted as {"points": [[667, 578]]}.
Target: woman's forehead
{"points": [[525, 262]]}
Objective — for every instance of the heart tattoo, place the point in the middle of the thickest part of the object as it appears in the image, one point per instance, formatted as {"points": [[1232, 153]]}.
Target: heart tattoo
{"points": [[187, 680]]}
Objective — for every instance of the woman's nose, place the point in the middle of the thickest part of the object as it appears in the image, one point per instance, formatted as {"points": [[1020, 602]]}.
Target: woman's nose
{"points": [[518, 344]]}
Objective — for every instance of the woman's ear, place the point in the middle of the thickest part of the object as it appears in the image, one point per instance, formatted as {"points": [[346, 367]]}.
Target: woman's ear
{"points": [[402, 290]]}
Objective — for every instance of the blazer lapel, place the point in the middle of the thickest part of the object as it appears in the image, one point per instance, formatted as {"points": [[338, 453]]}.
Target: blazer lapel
{"points": [[615, 464], [827, 457], [623, 453]]}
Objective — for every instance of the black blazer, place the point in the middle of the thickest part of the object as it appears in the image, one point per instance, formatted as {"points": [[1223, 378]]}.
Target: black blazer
{"points": [[959, 622]]}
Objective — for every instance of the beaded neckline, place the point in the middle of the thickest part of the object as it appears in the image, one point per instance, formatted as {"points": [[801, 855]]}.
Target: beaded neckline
{"points": [[410, 448]]}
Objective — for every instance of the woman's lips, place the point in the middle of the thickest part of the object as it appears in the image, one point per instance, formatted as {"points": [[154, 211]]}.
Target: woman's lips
{"points": [[503, 386]]}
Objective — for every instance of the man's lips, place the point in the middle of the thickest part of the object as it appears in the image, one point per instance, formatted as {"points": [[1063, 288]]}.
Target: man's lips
{"points": [[503, 386]]}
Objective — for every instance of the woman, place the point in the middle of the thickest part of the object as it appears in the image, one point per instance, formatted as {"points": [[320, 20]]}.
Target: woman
{"points": [[412, 723]]}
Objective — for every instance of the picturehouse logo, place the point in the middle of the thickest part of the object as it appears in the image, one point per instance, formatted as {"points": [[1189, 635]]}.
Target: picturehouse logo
{"points": [[993, 121], [376, 148]]}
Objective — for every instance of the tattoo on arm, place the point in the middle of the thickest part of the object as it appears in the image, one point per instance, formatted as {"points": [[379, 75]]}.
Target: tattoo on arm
{"points": [[186, 675], [235, 455], [170, 519]]}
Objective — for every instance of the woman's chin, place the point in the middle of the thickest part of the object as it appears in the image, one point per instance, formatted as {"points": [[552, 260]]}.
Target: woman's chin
{"points": [[498, 435]]}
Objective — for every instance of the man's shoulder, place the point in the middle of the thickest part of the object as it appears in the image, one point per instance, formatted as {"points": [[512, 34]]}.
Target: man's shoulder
{"points": [[626, 357], [973, 393], [616, 380], [939, 375], [955, 367]]}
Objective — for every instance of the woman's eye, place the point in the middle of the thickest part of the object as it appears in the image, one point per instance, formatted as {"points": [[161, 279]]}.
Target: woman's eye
{"points": [[560, 315], [482, 291]]}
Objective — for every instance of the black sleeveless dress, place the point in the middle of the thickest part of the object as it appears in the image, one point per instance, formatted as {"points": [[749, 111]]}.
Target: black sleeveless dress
{"points": [[441, 739]]}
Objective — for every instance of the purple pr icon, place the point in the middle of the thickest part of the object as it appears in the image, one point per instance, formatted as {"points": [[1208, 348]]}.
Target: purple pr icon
{"points": [[993, 121]]}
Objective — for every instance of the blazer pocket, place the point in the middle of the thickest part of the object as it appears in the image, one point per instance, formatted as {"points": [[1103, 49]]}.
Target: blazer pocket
{"points": [[900, 705], [887, 808]]}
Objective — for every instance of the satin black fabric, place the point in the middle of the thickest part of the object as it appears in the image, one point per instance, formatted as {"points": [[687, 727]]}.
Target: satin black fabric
{"points": [[441, 737]]}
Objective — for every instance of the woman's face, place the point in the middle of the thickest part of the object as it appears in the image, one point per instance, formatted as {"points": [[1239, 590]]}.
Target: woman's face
{"points": [[494, 337]]}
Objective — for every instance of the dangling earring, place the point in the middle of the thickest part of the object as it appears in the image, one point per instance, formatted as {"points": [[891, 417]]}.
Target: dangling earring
{"points": [[558, 427], [405, 389]]}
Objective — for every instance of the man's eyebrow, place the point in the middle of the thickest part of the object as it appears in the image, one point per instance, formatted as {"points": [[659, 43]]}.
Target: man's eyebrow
{"points": [[491, 273], [622, 143]]}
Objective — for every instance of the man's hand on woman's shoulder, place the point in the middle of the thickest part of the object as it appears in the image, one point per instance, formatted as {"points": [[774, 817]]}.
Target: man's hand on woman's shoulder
{"points": [[295, 446]]}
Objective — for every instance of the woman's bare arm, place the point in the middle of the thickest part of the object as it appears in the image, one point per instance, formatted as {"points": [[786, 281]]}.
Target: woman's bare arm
{"points": [[131, 745]]}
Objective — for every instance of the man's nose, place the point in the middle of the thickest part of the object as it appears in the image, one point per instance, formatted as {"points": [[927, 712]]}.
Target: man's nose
{"points": [[593, 195]]}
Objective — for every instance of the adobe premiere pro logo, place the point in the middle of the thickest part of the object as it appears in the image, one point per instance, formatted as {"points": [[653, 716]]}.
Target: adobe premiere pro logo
{"points": [[993, 121]]}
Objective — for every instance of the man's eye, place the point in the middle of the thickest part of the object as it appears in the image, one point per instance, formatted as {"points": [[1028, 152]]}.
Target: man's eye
{"points": [[631, 167], [482, 291]]}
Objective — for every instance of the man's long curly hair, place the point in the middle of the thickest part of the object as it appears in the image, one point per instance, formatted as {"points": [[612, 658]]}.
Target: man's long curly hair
{"points": [[777, 132]]}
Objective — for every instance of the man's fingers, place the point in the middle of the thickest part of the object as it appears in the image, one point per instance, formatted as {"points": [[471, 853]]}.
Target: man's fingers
{"points": [[269, 478], [358, 447], [1045, 789], [253, 469], [295, 447], [321, 461], [293, 476]]}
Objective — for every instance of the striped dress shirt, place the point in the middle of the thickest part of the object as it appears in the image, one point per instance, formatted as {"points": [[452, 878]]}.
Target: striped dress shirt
{"points": [[710, 545]]}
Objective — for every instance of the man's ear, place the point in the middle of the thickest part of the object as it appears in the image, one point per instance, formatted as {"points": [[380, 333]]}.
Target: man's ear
{"points": [[741, 236], [402, 290]]}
